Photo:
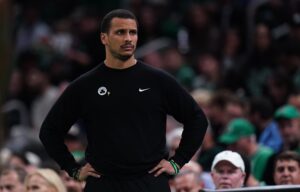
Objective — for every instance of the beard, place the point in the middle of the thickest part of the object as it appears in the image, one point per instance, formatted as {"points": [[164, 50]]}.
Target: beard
{"points": [[122, 57]]}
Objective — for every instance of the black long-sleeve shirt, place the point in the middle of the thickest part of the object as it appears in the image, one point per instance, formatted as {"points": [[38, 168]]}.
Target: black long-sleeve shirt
{"points": [[125, 115]]}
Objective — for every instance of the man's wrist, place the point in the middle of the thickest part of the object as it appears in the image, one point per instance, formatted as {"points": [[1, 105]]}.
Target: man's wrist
{"points": [[175, 166], [76, 173]]}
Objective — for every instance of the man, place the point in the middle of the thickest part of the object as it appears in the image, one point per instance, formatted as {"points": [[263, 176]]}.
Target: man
{"points": [[289, 127], [124, 104], [12, 180], [288, 119], [228, 170], [261, 116], [240, 137], [287, 168]]}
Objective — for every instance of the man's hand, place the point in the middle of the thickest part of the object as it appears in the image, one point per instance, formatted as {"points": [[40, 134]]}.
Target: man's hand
{"points": [[87, 170], [163, 166]]}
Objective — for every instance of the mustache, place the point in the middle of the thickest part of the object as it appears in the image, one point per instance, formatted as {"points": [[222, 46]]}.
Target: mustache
{"points": [[127, 45]]}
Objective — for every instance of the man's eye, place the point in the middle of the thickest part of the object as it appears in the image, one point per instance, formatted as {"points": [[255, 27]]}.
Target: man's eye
{"points": [[280, 169], [291, 169], [133, 32], [120, 32]]}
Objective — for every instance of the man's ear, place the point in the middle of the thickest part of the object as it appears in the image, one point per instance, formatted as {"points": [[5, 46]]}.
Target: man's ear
{"points": [[103, 38]]}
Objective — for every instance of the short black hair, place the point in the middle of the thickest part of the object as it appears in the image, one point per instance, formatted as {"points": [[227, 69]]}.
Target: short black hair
{"points": [[288, 155], [119, 13]]}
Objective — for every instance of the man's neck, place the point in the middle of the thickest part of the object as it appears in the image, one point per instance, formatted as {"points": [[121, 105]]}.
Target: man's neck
{"points": [[119, 64]]}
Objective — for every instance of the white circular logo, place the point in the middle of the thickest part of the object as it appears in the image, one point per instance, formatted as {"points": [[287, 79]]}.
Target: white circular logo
{"points": [[102, 91]]}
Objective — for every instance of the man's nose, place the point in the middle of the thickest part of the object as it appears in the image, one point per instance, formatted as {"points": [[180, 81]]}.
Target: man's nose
{"points": [[285, 172], [224, 175], [128, 37]]}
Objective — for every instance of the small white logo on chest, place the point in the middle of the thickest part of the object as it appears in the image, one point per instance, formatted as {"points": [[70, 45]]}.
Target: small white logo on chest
{"points": [[102, 91], [142, 90]]}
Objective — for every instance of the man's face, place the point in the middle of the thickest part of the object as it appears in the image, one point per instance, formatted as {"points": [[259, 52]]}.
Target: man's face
{"points": [[121, 39], [227, 176], [10, 183], [287, 172], [241, 146], [289, 130]]}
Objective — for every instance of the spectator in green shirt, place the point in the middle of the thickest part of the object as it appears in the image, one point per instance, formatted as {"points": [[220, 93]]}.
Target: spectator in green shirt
{"points": [[240, 137]]}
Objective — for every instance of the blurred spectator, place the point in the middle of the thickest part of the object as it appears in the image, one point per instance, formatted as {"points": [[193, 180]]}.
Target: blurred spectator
{"points": [[12, 179], [228, 170], [14, 111], [19, 160], [288, 121], [261, 116], [154, 59], [234, 108], [289, 125], [15, 114], [44, 94], [71, 184], [294, 34], [149, 23], [44, 180], [278, 87], [294, 99], [61, 39], [208, 151], [259, 62], [232, 58], [174, 63], [240, 137], [216, 110], [203, 98], [208, 73], [188, 179], [290, 62], [86, 51], [222, 108], [274, 14], [15, 85], [202, 34], [32, 32], [231, 13], [287, 168]]}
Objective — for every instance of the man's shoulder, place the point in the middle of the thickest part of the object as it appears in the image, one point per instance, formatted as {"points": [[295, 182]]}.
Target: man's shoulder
{"points": [[154, 70], [265, 151], [83, 80], [89, 74]]}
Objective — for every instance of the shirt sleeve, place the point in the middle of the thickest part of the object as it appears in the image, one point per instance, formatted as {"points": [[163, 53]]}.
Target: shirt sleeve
{"points": [[183, 108], [59, 120]]}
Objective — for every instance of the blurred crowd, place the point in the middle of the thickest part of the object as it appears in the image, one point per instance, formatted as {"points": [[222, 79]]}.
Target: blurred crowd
{"points": [[239, 59]]}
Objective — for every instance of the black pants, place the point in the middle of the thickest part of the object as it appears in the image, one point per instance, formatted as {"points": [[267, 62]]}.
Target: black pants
{"points": [[146, 183]]}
